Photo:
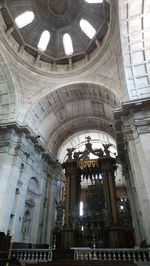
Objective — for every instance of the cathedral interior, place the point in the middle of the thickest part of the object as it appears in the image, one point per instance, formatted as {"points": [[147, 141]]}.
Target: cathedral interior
{"points": [[75, 123]]}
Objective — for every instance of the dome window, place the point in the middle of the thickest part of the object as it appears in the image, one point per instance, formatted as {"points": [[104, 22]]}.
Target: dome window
{"points": [[67, 42], [24, 19], [94, 1], [81, 209], [87, 28], [44, 41]]}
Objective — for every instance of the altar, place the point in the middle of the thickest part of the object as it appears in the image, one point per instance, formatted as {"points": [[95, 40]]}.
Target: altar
{"points": [[91, 216]]}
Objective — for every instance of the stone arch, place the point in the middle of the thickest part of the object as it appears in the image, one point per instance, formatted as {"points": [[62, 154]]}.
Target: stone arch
{"points": [[78, 141], [82, 104]]}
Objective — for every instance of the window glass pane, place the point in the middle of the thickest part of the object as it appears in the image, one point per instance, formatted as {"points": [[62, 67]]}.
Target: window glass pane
{"points": [[94, 1], [44, 40], [87, 28], [24, 19], [81, 208], [68, 47]]}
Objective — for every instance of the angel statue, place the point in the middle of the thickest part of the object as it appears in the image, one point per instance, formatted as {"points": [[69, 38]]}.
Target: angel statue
{"points": [[69, 153], [106, 149]]}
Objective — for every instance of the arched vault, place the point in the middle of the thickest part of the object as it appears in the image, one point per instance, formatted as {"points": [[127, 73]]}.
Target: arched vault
{"points": [[71, 109]]}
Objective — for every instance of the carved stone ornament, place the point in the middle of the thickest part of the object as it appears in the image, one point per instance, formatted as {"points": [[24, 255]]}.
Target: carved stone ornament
{"points": [[84, 155], [143, 129]]}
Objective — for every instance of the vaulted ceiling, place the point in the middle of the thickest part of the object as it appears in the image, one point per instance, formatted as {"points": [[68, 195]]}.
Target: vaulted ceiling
{"points": [[71, 109], [58, 99]]}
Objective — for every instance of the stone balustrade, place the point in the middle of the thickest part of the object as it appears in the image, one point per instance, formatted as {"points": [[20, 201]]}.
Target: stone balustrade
{"points": [[32, 255], [133, 255]]}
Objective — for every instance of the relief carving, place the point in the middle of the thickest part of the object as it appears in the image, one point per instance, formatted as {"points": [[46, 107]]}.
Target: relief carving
{"points": [[143, 129]]}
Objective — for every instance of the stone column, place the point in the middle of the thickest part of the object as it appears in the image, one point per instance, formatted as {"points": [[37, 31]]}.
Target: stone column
{"points": [[133, 139], [138, 226]]}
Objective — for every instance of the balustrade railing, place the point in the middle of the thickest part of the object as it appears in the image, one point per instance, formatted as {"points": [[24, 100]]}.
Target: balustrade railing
{"points": [[134, 255], [32, 255], [44, 255]]}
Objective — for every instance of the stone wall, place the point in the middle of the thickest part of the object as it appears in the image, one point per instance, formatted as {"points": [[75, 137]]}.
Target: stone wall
{"points": [[135, 38], [28, 188]]}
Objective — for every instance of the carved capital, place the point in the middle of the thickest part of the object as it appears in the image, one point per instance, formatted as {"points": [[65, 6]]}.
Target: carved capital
{"points": [[143, 129]]}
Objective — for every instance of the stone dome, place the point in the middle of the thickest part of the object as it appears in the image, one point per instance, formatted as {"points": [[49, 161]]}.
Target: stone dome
{"points": [[58, 17]]}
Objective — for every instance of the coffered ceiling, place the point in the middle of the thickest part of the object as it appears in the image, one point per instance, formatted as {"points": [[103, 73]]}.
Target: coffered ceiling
{"points": [[70, 109]]}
